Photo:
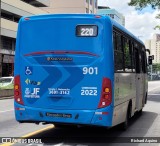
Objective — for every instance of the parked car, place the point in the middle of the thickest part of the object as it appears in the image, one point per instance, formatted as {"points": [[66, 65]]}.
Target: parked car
{"points": [[7, 82]]}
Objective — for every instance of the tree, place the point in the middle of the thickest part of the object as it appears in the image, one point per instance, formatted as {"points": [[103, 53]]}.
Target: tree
{"points": [[140, 4], [156, 67]]}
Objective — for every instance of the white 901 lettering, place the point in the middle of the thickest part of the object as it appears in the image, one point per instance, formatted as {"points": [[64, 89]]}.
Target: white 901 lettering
{"points": [[90, 70]]}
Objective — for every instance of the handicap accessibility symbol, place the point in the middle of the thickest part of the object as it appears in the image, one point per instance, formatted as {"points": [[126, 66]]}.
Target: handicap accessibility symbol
{"points": [[28, 70]]}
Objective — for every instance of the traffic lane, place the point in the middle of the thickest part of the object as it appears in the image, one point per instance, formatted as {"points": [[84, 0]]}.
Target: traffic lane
{"points": [[150, 108], [139, 127], [154, 97], [6, 104], [153, 85], [9, 127], [145, 125]]}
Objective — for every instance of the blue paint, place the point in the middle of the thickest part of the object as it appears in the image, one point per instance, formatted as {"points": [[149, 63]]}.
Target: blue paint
{"points": [[44, 43]]}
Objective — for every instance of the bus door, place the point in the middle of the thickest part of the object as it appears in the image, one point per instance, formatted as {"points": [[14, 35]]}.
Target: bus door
{"points": [[139, 80]]}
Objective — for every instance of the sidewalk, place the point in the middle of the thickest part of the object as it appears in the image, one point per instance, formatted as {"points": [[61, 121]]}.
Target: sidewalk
{"points": [[8, 97]]}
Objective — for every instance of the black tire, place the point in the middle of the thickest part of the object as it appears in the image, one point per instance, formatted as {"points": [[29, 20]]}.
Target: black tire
{"points": [[125, 124], [146, 98], [140, 112]]}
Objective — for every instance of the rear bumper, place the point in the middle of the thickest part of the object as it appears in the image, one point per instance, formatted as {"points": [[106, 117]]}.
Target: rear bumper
{"points": [[86, 117]]}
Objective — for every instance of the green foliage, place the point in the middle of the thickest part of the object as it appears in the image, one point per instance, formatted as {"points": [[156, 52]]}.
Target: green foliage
{"points": [[10, 86], [158, 16], [156, 67], [157, 27], [140, 4]]}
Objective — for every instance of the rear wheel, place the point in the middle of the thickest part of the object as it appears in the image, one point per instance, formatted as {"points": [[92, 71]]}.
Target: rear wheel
{"points": [[125, 124], [146, 98], [140, 112]]}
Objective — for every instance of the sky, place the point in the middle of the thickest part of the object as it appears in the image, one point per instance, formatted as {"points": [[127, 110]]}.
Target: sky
{"points": [[140, 23]]}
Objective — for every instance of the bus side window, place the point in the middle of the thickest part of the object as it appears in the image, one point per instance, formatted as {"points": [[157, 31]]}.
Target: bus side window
{"points": [[127, 55], [114, 40], [118, 53], [145, 57], [137, 59], [132, 57], [143, 62]]}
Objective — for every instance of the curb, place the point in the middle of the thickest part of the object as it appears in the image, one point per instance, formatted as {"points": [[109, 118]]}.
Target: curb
{"points": [[9, 97]]}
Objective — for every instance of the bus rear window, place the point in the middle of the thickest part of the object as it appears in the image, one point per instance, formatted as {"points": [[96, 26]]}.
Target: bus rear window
{"points": [[86, 31]]}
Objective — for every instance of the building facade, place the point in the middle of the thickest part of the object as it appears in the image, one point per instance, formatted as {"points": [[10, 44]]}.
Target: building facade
{"points": [[72, 6], [154, 46], [112, 13], [11, 12]]}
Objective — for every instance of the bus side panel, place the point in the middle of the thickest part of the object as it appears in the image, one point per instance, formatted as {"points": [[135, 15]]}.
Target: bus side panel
{"points": [[109, 73], [125, 90]]}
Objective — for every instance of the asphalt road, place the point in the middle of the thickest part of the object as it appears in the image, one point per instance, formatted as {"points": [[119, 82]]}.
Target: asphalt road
{"points": [[145, 125]]}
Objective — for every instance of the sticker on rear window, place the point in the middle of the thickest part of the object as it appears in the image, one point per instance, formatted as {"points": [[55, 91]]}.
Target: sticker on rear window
{"points": [[32, 93]]}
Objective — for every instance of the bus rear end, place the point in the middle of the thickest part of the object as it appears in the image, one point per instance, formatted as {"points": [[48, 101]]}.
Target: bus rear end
{"points": [[62, 74]]}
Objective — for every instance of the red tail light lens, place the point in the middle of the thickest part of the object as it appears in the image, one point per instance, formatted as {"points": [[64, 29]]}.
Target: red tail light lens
{"points": [[17, 90], [106, 93]]}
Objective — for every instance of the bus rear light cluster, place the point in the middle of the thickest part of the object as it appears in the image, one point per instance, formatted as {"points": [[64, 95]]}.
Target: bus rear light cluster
{"points": [[106, 93], [17, 90]]}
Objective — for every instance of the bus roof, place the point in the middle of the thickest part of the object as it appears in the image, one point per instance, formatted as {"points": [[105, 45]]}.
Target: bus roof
{"points": [[116, 24], [113, 22]]}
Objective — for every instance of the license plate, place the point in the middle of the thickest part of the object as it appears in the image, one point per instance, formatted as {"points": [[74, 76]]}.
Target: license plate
{"points": [[59, 115]]}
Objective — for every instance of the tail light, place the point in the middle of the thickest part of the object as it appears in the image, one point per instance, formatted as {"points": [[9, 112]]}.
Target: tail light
{"points": [[106, 93], [17, 90]]}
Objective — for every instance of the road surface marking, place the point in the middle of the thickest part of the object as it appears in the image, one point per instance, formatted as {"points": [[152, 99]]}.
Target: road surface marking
{"points": [[154, 94], [153, 89], [29, 135], [6, 111], [38, 131], [59, 144]]}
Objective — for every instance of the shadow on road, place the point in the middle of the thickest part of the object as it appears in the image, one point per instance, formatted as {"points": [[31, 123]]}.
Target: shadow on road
{"points": [[138, 127]]}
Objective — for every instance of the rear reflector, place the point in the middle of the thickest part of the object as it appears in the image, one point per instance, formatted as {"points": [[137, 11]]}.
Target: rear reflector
{"points": [[97, 16], [26, 18], [17, 90], [106, 93]]}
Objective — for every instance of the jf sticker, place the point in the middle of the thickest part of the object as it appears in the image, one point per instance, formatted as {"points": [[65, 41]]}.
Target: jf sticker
{"points": [[28, 70], [32, 93]]}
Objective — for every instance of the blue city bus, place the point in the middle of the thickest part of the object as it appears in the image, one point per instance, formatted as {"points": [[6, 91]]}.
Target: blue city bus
{"points": [[78, 69]]}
